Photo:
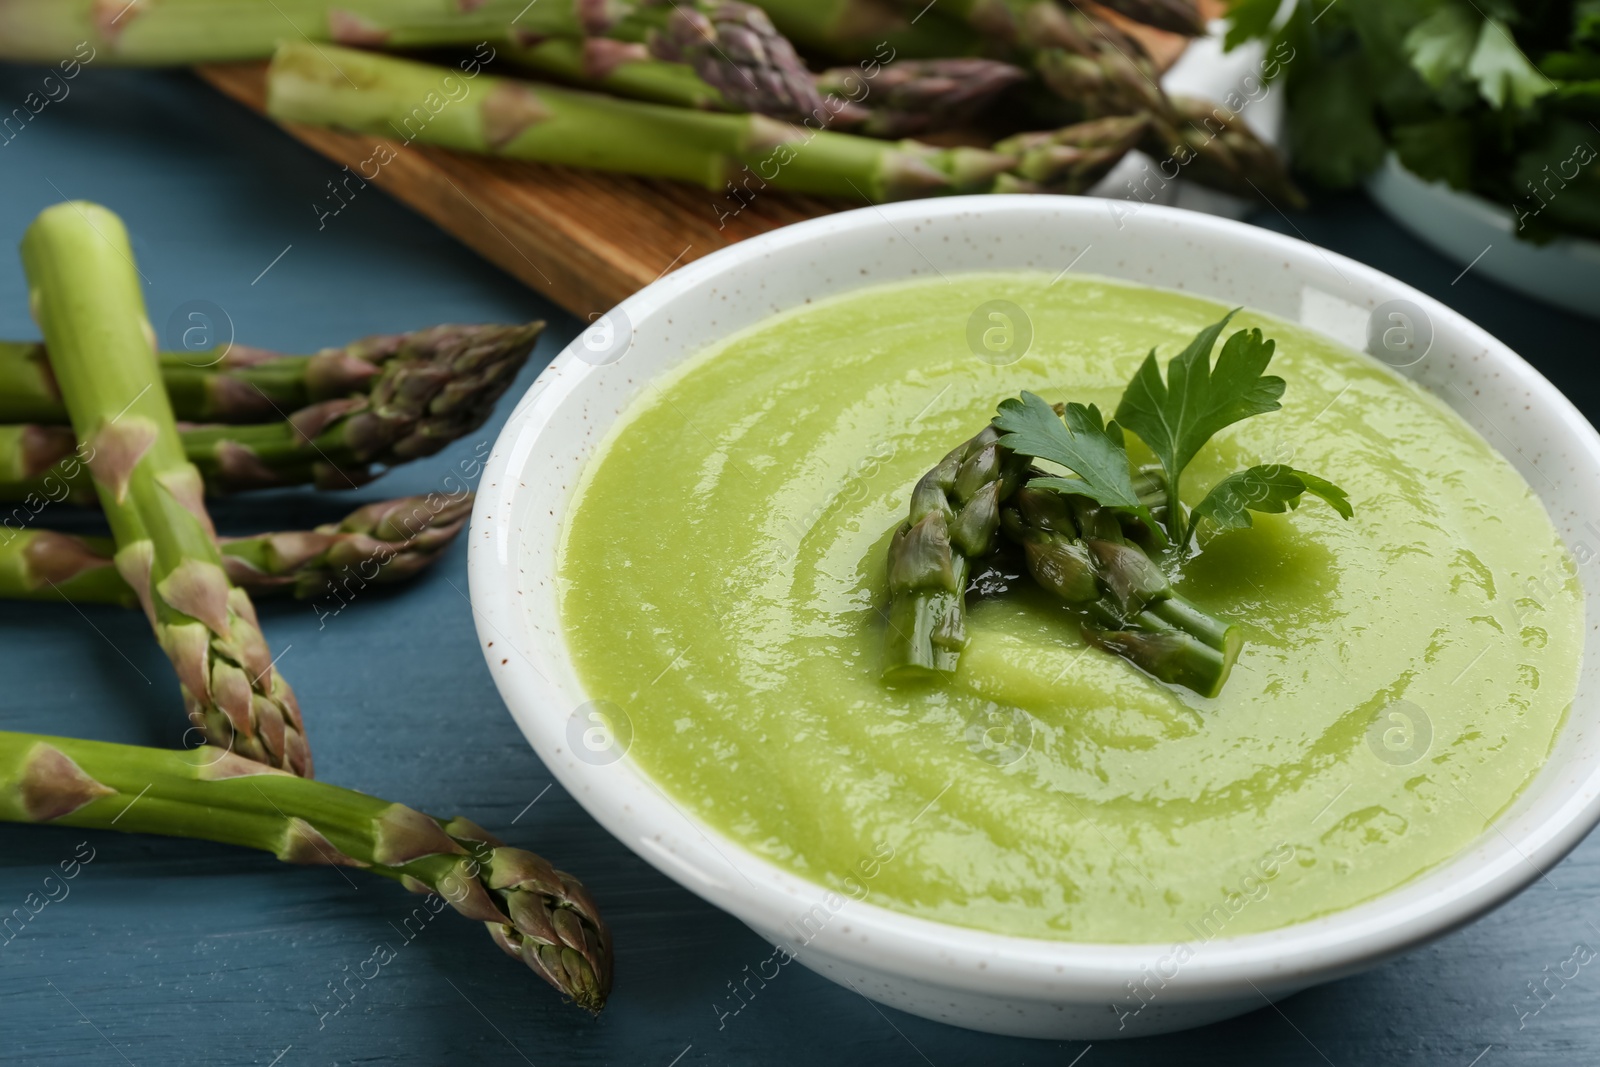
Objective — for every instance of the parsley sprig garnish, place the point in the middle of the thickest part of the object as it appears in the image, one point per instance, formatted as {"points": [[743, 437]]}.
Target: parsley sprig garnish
{"points": [[1175, 416], [1078, 440]]}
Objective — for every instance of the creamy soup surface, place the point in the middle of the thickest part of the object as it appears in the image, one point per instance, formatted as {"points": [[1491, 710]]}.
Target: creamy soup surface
{"points": [[1403, 676]]}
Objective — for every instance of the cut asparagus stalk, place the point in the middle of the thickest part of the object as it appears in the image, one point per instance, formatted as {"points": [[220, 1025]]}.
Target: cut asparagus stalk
{"points": [[536, 914], [85, 293], [381, 543], [953, 519], [552, 125], [1080, 552], [1091, 557], [237, 383], [1074, 158]]}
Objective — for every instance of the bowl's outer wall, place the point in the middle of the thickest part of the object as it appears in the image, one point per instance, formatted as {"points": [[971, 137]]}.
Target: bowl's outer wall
{"points": [[988, 982], [1565, 272]]}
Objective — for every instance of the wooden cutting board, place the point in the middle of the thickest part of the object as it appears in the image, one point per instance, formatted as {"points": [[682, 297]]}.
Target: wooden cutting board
{"points": [[584, 238]]}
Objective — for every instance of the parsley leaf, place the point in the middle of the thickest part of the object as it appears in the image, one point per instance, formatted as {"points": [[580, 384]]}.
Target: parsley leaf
{"points": [[1438, 150], [1178, 416], [1077, 440], [1270, 487], [1440, 46], [1503, 73], [1248, 19], [1335, 136]]}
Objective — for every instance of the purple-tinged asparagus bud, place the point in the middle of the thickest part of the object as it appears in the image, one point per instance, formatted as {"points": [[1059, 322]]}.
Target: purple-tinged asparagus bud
{"points": [[915, 97], [735, 49], [1215, 147], [919, 556], [555, 926], [1073, 158]]}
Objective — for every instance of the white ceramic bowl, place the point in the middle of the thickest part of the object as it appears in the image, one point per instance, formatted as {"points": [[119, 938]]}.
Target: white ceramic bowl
{"points": [[1013, 985]]}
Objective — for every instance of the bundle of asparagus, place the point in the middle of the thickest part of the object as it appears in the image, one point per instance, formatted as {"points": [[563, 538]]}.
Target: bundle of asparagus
{"points": [[1102, 536], [467, 367], [381, 399], [374, 403], [372, 93], [728, 44], [1088, 555], [968, 71]]}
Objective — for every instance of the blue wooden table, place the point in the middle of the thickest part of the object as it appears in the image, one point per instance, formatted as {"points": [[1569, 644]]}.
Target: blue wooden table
{"points": [[174, 952]]}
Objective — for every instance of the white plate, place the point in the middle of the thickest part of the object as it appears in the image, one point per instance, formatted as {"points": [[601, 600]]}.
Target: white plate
{"points": [[1472, 231]]}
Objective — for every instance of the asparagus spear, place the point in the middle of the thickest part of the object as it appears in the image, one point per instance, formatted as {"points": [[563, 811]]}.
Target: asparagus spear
{"points": [[890, 100], [393, 539], [552, 125], [85, 294], [734, 48], [1083, 554], [883, 29], [237, 383], [39, 465], [1217, 149], [1091, 68], [624, 68], [536, 914], [954, 518], [910, 97], [850, 28], [729, 44], [332, 445], [423, 390], [180, 32], [1095, 69]]}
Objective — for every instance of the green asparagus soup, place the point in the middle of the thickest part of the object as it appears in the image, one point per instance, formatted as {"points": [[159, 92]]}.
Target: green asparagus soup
{"points": [[1403, 676]]}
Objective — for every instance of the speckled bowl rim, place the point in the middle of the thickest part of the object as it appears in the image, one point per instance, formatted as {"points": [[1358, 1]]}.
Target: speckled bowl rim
{"points": [[530, 665]]}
